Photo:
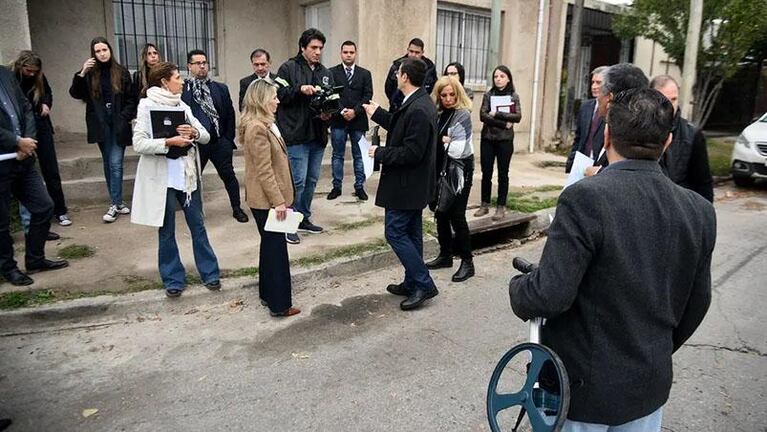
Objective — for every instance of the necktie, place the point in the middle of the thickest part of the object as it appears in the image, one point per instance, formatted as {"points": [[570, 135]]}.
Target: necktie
{"points": [[592, 131], [349, 75]]}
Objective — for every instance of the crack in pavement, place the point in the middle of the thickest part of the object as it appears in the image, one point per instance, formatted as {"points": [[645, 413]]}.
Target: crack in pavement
{"points": [[745, 349]]}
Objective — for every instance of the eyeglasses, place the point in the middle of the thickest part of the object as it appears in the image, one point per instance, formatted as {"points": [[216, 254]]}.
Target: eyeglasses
{"points": [[199, 63], [452, 73]]}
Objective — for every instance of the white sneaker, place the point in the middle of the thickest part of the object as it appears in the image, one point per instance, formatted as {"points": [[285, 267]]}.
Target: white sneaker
{"points": [[64, 220], [111, 214], [123, 209]]}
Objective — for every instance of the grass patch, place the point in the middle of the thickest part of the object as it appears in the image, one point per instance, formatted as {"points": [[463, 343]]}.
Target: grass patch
{"points": [[719, 154], [138, 283], [76, 251], [241, 272], [430, 226], [22, 299], [350, 226], [560, 150], [341, 252]]}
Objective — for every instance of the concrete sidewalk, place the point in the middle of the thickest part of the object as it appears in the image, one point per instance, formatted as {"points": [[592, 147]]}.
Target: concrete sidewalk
{"points": [[125, 258]]}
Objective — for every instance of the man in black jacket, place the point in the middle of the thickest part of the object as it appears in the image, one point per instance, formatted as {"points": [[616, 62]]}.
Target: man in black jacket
{"points": [[625, 276], [407, 178], [212, 105], [590, 130], [415, 49], [304, 128], [351, 121], [260, 60], [19, 179], [686, 159]]}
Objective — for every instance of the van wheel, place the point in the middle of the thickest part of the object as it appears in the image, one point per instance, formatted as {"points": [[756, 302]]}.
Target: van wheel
{"points": [[743, 181]]}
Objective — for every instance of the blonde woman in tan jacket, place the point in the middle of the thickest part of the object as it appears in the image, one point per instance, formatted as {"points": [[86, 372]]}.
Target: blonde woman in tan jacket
{"points": [[268, 185]]}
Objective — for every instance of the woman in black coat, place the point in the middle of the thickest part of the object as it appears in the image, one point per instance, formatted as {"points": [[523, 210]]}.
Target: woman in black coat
{"points": [[497, 141], [149, 57], [28, 69], [105, 87]]}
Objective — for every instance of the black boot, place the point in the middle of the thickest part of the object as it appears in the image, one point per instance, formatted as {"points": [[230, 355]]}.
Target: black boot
{"points": [[441, 261], [465, 271]]}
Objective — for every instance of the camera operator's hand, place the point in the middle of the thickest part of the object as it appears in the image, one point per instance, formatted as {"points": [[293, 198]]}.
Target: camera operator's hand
{"points": [[307, 90], [370, 108], [325, 116]]}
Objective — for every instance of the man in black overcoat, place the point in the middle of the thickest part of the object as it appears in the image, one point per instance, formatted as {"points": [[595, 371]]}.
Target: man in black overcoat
{"points": [[407, 178], [625, 276]]}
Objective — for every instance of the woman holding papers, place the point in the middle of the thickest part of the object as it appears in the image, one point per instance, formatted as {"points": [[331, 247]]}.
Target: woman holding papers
{"points": [[454, 147], [500, 110], [169, 172], [268, 189], [105, 87]]}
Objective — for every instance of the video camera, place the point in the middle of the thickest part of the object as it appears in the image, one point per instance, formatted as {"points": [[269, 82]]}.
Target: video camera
{"points": [[326, 98]]}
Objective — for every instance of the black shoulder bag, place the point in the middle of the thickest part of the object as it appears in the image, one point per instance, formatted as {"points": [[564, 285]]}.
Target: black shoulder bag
{"points": [[450, 181]]}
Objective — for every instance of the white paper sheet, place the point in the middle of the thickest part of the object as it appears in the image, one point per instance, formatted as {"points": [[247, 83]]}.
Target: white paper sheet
{"points": [[289, 225], [7, 156], [367, 161], [501, 103], [580, 163]]}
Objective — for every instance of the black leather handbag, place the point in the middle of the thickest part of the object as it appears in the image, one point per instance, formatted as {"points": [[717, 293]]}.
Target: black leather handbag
{"points": [[449, 184]]}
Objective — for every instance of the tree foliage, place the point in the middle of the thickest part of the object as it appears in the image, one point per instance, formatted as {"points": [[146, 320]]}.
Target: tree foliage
{"points": [[730, 29]]}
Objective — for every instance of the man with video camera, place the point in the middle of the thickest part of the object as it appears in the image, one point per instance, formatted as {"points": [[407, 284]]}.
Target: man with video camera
{"points": [[306, 86]]}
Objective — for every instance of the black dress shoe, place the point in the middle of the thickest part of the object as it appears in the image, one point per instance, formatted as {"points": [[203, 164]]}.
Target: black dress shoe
{"points": [[442, 261], [334, 193], [399, 289], [16, 277], [213, 286], [46, 265], [417, 298], [52, 236], [361, 194], [239, 215], [465, 271]]}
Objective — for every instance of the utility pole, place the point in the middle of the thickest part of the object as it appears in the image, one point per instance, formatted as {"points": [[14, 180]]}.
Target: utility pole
{"points": [[495, 39], [573, 64], [689, 67]]}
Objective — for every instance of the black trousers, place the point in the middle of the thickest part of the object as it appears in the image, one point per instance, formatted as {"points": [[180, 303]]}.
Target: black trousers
{"points": [[22, 181], [49, 166], [492, 150], [454, 220], [273, 266], [220, 153]]}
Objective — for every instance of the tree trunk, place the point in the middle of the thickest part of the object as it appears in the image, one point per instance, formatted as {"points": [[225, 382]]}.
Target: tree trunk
{"points": [[573, 63]]}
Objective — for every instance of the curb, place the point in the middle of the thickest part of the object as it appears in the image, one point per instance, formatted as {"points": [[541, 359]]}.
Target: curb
{"points": [[153, 302]]}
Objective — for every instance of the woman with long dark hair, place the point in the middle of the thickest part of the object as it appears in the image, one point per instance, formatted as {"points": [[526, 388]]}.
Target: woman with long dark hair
{"points": [[497, 142], [168, 174], [105, 87], [28, 69], [457, 71], [454, 146], [149, 57]]}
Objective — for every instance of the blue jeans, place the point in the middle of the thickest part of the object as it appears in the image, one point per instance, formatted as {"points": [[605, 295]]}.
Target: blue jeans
{"points": [[305, 163], [648, 423], [404, 233], [112, 154], [171, 268], [338, 140]]}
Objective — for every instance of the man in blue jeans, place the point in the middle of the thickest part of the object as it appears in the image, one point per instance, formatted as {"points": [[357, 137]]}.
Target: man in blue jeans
{"points": [[351, 121], [303, 127]]}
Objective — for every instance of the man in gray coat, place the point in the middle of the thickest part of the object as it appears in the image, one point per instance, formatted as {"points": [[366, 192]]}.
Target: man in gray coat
{"points": [[625, 276]]}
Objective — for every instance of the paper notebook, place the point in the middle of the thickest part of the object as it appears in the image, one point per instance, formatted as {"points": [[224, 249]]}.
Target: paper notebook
{"points": [[289, 225]]}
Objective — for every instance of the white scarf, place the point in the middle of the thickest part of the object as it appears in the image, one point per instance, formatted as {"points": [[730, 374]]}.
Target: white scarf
{"points": [[161, 96]]}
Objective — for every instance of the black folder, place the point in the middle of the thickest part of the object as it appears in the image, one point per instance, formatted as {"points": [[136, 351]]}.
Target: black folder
{"points": [[165, 122]]}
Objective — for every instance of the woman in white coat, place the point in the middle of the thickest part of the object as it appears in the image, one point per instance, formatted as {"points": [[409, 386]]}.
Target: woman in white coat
{"points": [[169, 172]]}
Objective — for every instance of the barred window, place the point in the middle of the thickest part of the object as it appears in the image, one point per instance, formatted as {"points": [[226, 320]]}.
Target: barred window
{"points": [[463, 35], [174, 26]]}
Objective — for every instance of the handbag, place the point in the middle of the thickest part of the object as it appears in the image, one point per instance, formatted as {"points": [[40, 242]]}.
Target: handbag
{"points": [[449, 184]]}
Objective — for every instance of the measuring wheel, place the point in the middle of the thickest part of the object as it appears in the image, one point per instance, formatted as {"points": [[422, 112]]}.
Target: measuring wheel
{"points": [[544, 397]]}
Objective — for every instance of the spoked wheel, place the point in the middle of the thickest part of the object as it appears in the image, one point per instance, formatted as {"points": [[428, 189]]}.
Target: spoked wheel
{"points": [[544, 397]]}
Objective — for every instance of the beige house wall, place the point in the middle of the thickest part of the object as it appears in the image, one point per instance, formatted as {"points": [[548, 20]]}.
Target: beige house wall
{"points": [[14, 30], [653, 60]]}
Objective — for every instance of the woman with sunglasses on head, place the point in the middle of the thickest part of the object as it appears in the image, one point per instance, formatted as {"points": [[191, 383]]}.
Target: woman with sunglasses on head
{"points": [[497, 140], [454, 147], [105, 87], [28, 69]]}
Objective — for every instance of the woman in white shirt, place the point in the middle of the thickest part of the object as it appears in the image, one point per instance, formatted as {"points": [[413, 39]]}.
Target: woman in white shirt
{"points": [[169, 172]]}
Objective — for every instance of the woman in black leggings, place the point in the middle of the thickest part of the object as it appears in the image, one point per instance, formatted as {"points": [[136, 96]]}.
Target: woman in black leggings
{"points": [[500, 110]]}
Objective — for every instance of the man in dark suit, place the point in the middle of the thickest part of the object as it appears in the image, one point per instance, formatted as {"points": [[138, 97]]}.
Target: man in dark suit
{"points": [[212, 106], [261, 61], [625, 276], [415, 49], [408, 178], [352, 120], [589, 132], [19, 179]]}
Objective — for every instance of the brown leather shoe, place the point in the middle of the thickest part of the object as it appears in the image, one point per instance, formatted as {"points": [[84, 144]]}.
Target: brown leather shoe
{"points": [[286, 313], [484, 209]]}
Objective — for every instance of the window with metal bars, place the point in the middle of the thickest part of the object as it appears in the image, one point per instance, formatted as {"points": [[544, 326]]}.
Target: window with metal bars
{"points": [[174, 26], [463, 35]]}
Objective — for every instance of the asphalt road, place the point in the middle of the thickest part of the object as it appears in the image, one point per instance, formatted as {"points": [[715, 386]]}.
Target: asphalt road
{"points": [[352, 361]]}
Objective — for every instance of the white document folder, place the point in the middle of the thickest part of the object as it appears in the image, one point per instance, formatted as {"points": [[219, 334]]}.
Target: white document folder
{"points": [[367, 161], [580, 163], [289, 225]]}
